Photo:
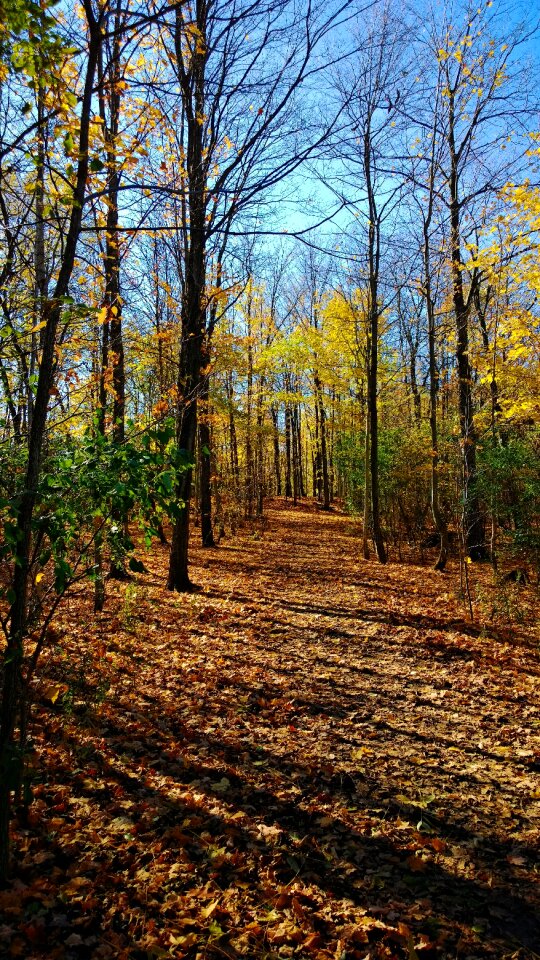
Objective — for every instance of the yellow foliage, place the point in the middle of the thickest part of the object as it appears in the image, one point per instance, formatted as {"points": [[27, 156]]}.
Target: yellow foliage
{"points": [[510, 261]]}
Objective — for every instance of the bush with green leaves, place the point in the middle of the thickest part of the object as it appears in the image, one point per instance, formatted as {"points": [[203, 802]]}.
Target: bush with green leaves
{"points": [[404, 476], [509, 486], [86, 483]]}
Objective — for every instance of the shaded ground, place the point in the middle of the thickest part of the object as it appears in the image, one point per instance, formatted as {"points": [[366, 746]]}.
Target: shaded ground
{"points": [[313, 757]]}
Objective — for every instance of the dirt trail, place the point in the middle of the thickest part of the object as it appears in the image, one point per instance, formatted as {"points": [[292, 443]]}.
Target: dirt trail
{"points": [[314, 756]]}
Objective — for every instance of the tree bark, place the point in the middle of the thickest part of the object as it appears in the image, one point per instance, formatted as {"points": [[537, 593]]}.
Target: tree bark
{"points": [[192, 84], [288, 452], [277, 460], [205, 464], [372, 380], [367, 488], [40, 284], [249, 484], [233, 442], [259, 450], [323, 453], [427, 215], [473, 526], [298, 472], [113, 345], [438, 519], [186, 432]]}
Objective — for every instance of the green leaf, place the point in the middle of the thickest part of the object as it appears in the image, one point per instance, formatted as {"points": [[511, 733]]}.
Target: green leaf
{"points": [[163, 435], [44, 557], [167, 480], [69, 144]]}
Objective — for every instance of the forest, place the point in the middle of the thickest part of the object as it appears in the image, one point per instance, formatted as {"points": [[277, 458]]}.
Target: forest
{"points": [[269, 479]]}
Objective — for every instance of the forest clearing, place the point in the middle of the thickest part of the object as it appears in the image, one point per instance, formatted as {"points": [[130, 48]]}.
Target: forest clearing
{"points": [[313, 756]]}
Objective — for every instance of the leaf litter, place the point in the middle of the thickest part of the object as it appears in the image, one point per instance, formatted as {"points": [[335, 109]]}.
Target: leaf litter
{"points": [[313, 756]]}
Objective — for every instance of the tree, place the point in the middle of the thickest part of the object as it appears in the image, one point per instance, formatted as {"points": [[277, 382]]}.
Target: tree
{"points": [[477, 101], [242, 131], [370, 96], [426, 212], [53, 310]]}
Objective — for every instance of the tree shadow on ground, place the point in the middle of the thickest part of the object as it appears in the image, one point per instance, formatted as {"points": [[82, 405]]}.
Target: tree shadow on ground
{"points": [[317, 845]]}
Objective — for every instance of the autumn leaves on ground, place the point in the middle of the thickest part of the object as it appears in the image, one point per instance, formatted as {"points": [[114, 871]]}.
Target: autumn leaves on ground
{"points": [[311, 757]]}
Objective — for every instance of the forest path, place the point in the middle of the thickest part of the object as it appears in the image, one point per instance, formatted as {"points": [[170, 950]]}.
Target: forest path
{"points": [[314, 756]]}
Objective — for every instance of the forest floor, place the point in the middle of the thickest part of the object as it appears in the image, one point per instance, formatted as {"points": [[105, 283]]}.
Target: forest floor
{"points": [[312, 757]]}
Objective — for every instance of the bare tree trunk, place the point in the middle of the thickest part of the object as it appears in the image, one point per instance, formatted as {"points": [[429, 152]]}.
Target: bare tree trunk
{"points": [[298, 482], [113, 345], [438, 519], [288, 452], [277, 460], [331, 449], [249, 440], [321, 418], [161, 364], [233, 442], [372, 385], [192, 85], [205, 464], [372, 380], [259, 449], [186, 432], [40, 284], [12, 408], [367, 490], [417, 403], [317, 459], [473, 526]]}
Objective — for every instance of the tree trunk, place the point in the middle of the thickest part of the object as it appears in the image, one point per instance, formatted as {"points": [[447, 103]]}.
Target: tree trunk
{"points": [[161, 365], [259, 450], [417, 403], [233, 442], [325, 483], [12, 409], [192, 84], [13, 657], [317, 466], [367, 490], [298, 473], [372, 380], [99, 583], [288, 454], [186, 431], [438, 519], [331, 448], [374, 430], [277, 461], [205, 465], [40, 285], [473, 526], [250, 473], [113, 345]]}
